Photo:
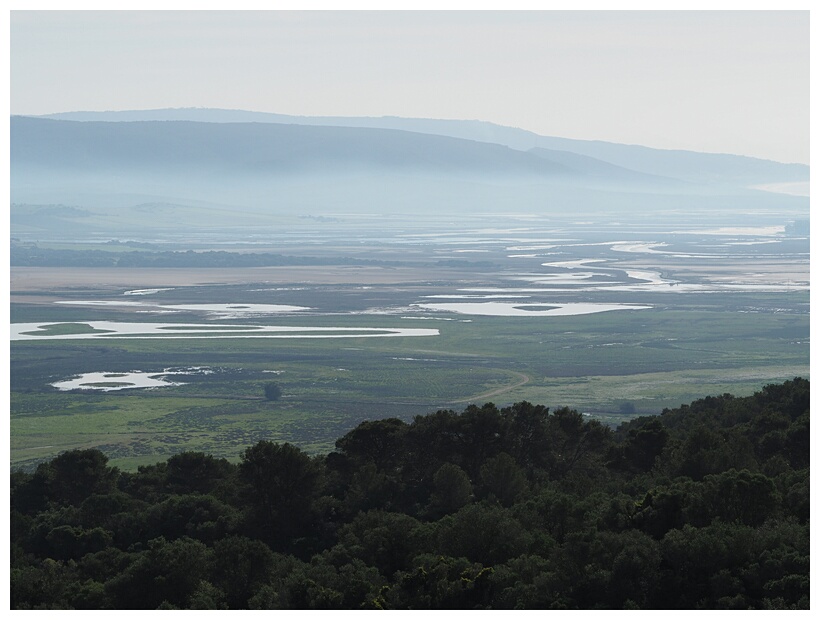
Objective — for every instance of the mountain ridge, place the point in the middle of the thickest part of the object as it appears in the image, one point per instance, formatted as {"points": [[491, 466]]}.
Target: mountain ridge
{"points": [[276, 146], [676, 163], [289, 168]]}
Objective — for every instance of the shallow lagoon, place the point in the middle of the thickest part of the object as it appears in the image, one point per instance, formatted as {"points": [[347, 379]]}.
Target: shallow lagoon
{"points": [[110, 382], [113, 381], [499, 308], [112, 329], [221, 311]]}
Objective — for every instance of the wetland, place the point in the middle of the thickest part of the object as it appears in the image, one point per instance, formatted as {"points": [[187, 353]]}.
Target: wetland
{"points": [[403, 319]]}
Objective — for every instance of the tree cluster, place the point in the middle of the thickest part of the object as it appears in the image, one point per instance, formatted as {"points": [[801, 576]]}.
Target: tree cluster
{"points": [[701, 507]]}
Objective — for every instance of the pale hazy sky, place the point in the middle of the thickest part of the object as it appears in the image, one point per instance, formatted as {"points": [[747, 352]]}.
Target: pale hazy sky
{"points": [[717, 81]]}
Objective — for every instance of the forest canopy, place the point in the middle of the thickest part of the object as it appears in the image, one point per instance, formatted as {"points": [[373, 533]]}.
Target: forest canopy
{"points": [[701, 507]]}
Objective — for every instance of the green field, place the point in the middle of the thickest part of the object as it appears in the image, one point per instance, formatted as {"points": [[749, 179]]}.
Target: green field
{"points": [[611, 365]]}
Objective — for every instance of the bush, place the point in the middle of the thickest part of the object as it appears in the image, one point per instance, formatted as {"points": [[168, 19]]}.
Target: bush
{"points": [[273, 391]]}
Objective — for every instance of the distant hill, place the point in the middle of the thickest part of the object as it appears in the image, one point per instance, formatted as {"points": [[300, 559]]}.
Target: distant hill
{"points": [[602, 171], [260, 148], [694, 167], [267, 168]]}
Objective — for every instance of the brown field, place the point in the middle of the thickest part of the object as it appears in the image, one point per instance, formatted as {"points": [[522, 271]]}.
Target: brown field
{"points": [[42, 279]]}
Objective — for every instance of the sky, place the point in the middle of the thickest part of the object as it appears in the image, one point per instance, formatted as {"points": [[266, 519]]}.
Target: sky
{"points": [[714, 81]]}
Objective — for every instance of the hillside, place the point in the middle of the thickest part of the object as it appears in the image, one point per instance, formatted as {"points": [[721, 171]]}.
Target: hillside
{"points": [[286, 168], [261, 148], [684, 165]]}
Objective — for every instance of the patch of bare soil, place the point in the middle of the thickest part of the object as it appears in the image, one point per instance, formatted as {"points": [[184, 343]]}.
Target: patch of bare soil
{"points": [[44, 279]]}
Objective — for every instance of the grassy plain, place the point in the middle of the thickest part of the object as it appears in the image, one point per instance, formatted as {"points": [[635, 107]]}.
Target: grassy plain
{"points": [[610, 365]]}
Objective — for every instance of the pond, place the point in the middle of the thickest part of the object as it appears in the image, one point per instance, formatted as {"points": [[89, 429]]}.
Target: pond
{"points": [[112, 381]]}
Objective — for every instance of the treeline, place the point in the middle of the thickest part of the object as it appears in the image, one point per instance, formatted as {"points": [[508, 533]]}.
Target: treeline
{"points": [[702, 507], [23, 255]]}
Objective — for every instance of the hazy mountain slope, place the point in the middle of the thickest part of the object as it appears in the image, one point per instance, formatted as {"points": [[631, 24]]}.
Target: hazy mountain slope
{"points": [[257, 148], [604, 172], [480, 131], [268, 168], [684, 165], [691, 166]]}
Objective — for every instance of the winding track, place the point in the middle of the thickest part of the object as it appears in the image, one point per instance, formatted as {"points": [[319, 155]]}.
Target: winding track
{"points": [[522, 380]]}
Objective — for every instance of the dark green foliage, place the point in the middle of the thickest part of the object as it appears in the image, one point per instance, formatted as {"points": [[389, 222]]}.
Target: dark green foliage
{"points": [[702, 507], [195, 472], [451, 490], [273, 391], [167, 572], [73, 476], [526, 433], [385, 540], [71, 543], [643, 446], [575, 445], [239, 568], [378, 442], [739, 496], [483, 533], [371, 488], [201, 517], [282, 483], [438, 582], [503, 480], [553, 513]]}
